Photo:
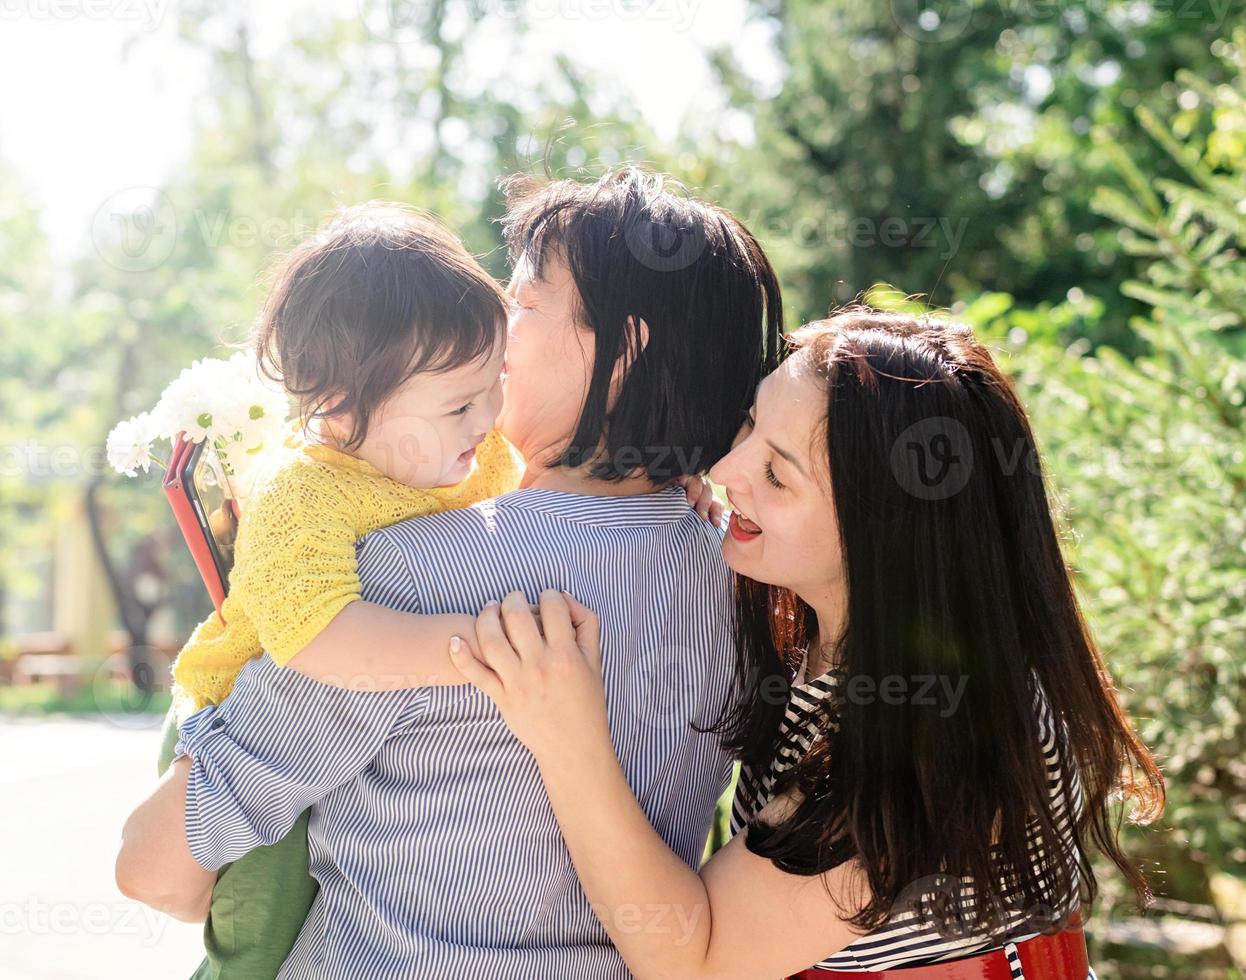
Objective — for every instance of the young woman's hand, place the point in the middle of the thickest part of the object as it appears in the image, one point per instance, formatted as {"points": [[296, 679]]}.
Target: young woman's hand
{"points": [[544, 675], [702, 500]]}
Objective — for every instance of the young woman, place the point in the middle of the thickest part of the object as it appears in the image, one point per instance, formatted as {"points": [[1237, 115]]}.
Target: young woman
{"points": [[930, 740]]}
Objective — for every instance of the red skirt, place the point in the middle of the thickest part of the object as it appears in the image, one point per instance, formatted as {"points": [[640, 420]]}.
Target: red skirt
{"points": [[1061, 956]]}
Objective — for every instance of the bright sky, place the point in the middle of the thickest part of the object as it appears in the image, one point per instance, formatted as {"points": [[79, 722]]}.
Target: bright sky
{"points": [[95, 95]]}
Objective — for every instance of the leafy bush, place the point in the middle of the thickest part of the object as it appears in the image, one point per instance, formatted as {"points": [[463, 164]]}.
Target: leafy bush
{"points": [[1148, 459]]}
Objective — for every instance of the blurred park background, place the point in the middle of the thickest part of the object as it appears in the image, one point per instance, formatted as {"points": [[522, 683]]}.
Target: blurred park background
{"points": [[1070, 177]]}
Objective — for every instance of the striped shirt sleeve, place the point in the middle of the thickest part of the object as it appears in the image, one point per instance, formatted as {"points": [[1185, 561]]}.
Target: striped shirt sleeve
{"points": [[386, 573], [280, 742]]}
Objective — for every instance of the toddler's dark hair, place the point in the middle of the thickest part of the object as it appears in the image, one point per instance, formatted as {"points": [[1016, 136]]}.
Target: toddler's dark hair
{"points": [[379, 294]]}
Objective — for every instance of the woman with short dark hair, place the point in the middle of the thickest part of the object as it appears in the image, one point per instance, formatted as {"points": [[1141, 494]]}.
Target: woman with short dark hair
{"points": [[641, 323]]}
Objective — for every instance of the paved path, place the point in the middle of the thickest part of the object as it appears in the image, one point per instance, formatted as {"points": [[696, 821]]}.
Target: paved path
{"points": [[66, 785]]}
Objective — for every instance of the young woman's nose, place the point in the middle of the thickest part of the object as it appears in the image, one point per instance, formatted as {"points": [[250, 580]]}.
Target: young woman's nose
{"points": [[724, 471]]}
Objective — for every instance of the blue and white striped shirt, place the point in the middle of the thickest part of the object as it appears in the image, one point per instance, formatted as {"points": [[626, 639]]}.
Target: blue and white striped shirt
{"points": [[436, 849]]}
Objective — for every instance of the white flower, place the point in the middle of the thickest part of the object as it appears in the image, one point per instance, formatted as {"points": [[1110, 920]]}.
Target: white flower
{"points": [[229, 404], [129, 445]]}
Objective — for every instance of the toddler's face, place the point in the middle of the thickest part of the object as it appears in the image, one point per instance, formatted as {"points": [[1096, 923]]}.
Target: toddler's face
{"points": [[425, 434]]}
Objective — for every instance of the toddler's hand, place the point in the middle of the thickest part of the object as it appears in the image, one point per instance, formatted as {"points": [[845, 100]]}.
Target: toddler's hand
{"points": [[702, 500]]}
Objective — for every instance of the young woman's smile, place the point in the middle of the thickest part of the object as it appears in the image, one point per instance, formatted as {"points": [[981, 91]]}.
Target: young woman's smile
{"points": [[740, 526], [782, 528]]}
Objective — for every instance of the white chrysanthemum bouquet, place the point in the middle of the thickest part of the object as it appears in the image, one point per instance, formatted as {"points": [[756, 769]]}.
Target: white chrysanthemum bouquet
{"points": [[228, 403]]}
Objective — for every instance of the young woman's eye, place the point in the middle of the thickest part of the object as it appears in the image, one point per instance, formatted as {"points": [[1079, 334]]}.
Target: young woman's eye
{"points": [[464, 410], [771, 478]]}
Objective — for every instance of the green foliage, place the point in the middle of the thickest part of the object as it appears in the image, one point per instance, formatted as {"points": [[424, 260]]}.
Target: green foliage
{"points": [[1149, 460], [949, 147]]}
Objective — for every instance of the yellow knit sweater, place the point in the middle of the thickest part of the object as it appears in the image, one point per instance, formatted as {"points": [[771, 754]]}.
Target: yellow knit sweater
{"points": [[294, 560]]}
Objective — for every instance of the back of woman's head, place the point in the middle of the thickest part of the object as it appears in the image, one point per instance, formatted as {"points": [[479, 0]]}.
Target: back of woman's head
{"points": [[382, 292], [640, 249], [960, 605]]}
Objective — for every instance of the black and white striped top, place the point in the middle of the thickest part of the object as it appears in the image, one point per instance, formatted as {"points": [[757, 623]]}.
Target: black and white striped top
{"points": [[432, 838], [906, 940]]}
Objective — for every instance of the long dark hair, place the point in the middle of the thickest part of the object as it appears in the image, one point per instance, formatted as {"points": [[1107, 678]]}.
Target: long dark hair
{"points": [[953, 569]]}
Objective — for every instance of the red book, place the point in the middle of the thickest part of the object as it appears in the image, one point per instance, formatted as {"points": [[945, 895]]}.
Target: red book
{"points": [[206, 511]]}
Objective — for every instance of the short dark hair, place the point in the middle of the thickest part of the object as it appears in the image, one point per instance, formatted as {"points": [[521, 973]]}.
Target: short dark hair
{"points": [[379, 294], [638, 246]]}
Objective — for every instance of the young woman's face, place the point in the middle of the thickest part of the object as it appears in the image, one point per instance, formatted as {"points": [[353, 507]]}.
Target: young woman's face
{"points": [[783, 530], [425, 434], [549, 360]]}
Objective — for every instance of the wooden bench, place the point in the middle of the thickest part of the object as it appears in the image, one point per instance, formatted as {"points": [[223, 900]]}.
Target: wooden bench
{"points": [[47, 657]]}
